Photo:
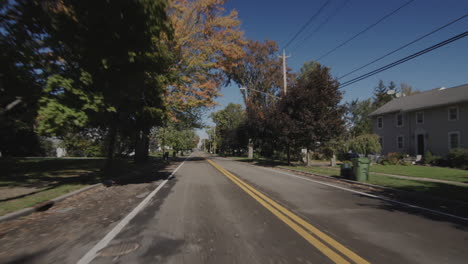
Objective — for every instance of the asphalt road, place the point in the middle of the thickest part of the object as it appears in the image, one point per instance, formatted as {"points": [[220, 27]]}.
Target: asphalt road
{"points": [[224, 211]]}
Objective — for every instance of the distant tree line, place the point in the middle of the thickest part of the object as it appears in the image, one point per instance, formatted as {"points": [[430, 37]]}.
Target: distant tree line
{"points": [[308, 120]]}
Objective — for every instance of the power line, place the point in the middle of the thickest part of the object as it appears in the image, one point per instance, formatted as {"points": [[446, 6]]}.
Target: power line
{"points": [[405, 59], [366, 29], [321, 25], [307, 23], [404, 46]]}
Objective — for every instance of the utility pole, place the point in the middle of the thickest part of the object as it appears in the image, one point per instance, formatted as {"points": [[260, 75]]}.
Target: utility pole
{"points": [[284, 57]]}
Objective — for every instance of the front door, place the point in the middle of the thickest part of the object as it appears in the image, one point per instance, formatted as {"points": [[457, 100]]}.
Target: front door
{"points": [[420, 141]]}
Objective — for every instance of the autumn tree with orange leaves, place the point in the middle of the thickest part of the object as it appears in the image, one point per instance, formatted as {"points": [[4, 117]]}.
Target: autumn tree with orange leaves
{"points": [[259, 71], [207, 42]]}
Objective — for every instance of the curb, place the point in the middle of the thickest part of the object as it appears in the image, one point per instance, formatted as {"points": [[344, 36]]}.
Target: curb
{"points": [[30, 210]]}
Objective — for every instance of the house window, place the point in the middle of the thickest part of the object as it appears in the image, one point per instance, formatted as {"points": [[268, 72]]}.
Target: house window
{"points": [[380, 122], [400, 142], [454, 140], [399, 120], [453, 113], [420, 118]]}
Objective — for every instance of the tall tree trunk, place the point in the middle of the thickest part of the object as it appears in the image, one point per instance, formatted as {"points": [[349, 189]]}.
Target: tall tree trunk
{"points": [[308, 158], [142, 145], [111, 146], [289, 154]]}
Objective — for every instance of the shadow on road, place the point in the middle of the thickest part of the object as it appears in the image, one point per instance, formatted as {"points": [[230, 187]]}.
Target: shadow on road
{"points": [[446, 198], [445, 206]]}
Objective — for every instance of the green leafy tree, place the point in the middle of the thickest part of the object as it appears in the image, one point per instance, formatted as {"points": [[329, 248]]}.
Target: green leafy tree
{"points": [[358, 117], [112, 68], [21, 77], [310, 113], [175, 137], [230, 128], [366, 144], [87, 143]]}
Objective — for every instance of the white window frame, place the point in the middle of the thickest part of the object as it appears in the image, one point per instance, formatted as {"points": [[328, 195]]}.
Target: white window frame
{"points": [[402, 120], [422, 122], [450, 141], [379, 118], [448, 113], [402, 142]]}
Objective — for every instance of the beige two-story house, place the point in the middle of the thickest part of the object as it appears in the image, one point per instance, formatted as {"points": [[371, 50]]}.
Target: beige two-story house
{"points": [[435, 121]]}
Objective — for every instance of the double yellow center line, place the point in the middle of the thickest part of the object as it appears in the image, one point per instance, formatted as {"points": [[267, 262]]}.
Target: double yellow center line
{"points": [[325, 244]]}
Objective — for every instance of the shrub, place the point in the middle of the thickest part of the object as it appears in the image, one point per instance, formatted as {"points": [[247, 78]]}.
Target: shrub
{"points": [[47, 147], [397, 155], [394, 158], [384, 162], [432, 159], [458, 158], [406, 163]]}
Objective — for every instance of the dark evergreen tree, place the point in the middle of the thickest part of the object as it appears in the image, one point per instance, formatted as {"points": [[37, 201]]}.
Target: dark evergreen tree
{"points": [[381, 95]]}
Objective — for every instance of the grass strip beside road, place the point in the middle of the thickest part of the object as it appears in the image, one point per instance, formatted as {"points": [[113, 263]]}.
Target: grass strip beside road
{"points": [[26, 182], [31, 200], [310, 233], [439, 173], [442, 190]]}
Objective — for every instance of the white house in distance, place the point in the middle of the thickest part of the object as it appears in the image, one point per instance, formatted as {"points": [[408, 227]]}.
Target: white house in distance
{"points": [[434, 120]]}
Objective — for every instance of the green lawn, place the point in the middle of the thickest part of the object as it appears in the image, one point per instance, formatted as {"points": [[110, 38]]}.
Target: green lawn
{"points": [[43, 179], [31, 200], [448, 174], [447, 191], [319, 170], [37, 171]]}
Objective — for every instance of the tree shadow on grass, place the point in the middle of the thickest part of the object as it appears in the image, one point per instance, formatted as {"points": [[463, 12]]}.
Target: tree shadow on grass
{"points": [[264, 162], [122, 172], [40, 173]]}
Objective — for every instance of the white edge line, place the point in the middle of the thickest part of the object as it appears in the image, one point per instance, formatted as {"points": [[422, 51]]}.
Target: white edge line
{"points": [[371, 195], [91, 254]]}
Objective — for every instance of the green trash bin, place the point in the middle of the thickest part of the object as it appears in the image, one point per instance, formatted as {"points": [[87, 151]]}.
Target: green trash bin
{"points": [[361, 169]]}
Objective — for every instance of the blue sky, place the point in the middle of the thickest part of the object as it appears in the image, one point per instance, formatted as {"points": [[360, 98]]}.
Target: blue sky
{"points": [[279, 20]]}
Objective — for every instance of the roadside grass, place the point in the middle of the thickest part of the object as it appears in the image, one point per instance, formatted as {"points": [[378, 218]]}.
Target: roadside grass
{"points": [[25, 182], [36, 172], [442, 190], [33, 199], [42, 179], [440, 173]]}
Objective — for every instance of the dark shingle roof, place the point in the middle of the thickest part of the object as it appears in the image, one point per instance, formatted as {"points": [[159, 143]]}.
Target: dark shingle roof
{"points": [[428, 99]]}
